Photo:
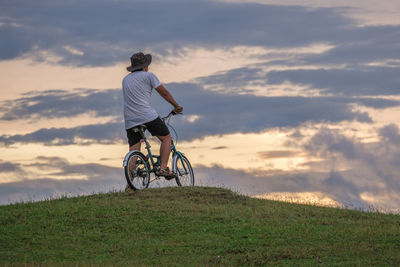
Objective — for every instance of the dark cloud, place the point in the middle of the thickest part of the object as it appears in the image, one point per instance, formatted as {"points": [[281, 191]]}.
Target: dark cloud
{"points": [[349, 82], [360, 45], [219, 147], [391, 134], [359, 81], [9, 167], [227, 113], [108, 133], [63, 103], [235, 80], [280, 154], [103, 31], [108, 31], [217, 113], [327, 142]]}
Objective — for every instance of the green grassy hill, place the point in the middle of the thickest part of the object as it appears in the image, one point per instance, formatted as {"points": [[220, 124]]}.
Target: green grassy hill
{"points": [[193, 226]]}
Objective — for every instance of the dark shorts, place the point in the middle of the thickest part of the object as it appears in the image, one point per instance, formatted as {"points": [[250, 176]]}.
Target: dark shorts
{"points": [[156, 127]]}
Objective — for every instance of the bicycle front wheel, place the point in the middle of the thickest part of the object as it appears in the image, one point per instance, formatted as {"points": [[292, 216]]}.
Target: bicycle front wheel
{"points": [[183, 170], [137, 173]]}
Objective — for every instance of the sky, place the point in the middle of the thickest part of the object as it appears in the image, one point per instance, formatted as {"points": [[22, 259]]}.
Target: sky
{"points": [[287, 100]]}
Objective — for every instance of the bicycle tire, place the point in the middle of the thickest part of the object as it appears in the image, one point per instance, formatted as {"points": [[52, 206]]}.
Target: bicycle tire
{"points": [[139, 177], [183, 170]]}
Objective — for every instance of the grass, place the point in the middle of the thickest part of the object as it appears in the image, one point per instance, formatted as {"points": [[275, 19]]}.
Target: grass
{"points": [[193, 226]]}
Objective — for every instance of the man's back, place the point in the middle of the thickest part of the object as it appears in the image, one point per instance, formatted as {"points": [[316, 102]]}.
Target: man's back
{"points": [[137, 90]]}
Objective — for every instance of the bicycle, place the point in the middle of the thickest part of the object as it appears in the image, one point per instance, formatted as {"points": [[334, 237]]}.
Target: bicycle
{"points": [[138, 167]]}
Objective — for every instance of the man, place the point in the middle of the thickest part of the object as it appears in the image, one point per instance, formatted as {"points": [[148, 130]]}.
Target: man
{"points": [[137, 90]]}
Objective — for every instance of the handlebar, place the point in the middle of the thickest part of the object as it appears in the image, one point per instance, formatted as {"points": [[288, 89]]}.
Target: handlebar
{"points": [[166, 120], [172, 113]]}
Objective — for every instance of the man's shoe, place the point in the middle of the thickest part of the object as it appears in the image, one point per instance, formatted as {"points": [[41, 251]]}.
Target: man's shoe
{"points": [[166, 173]]}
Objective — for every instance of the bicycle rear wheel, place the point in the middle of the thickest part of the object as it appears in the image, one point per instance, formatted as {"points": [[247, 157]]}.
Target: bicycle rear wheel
{"points": [[137, 173], [183, 170]]}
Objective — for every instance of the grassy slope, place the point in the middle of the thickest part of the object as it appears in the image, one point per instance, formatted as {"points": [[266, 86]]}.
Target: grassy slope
{"points": [[193, 226]]}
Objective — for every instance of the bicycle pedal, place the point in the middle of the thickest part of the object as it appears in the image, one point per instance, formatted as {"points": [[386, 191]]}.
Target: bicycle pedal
{"points": [[170, 177]]}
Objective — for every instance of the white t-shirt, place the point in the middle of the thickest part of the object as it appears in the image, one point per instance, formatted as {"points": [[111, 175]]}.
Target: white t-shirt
{"points": [[137, 88]]}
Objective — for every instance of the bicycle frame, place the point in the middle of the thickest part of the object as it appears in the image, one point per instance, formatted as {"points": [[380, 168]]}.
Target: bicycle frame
{"points": [[152, 164]]}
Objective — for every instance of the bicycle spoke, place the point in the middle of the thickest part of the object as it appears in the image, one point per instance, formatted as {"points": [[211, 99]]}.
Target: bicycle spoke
{"points": [[184, 171]]}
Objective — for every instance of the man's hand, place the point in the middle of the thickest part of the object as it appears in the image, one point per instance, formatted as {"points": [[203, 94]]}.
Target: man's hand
{"points": [[178, 109]]}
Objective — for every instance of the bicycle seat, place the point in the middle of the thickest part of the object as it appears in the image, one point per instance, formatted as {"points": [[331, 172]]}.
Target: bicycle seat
{"points": [[140, 128]]}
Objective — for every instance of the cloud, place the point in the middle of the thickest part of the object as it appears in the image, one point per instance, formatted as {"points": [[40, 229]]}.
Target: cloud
{"points": [[76, 36], [107, 133], [99, 178], [360, 45], [260, 183], [9, 167], [214, 113], [63, 103], [44, 189], [341, 187], [359, 168], [349, 82], [357, 81], [334, 185], [390, 133], [56, 167], [219, 147], [228, 113], [280, 154], [101, 32], [52, 177], [353, 173]]}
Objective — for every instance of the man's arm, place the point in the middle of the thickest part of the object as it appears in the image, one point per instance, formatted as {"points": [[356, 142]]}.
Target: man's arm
{"points": [[164, 93]]}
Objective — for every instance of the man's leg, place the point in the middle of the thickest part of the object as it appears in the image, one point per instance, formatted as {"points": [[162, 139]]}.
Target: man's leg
{"points": [[158, 128], [135, 146], [165, 149], [133, 161]]}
